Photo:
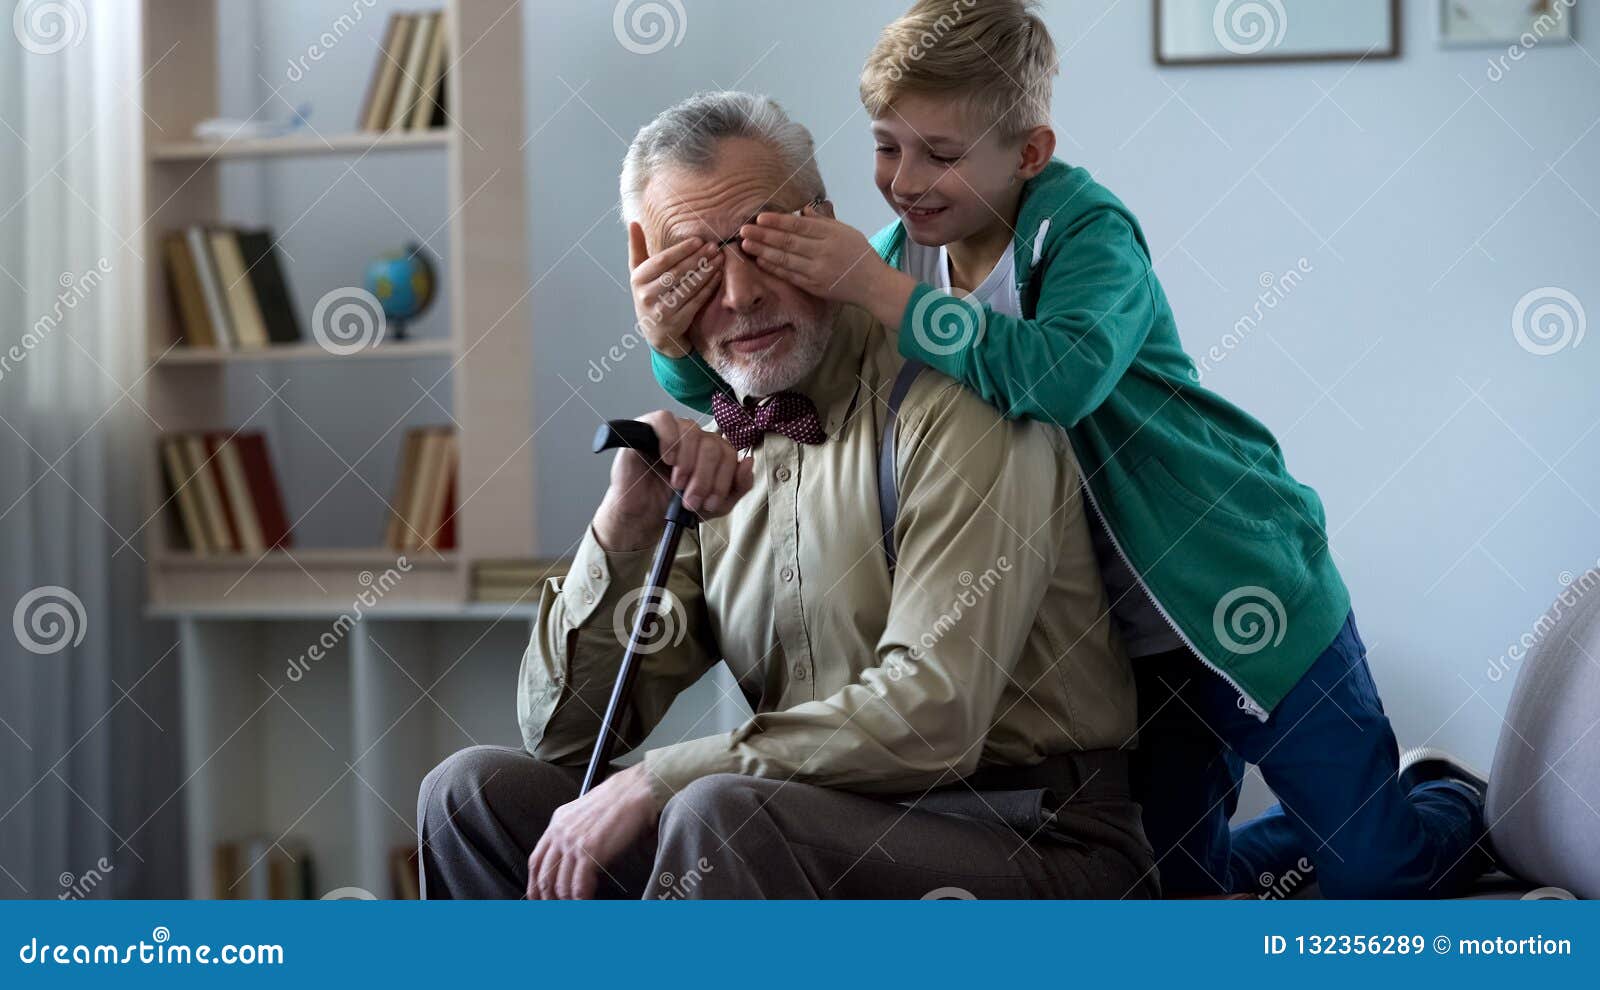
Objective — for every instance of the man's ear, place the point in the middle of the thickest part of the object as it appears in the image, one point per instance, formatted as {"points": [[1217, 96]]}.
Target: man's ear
{"points": [[1038, 147]]}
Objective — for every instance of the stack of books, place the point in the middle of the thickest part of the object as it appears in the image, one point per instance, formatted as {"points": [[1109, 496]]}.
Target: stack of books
{"points": [[258, 869], [224, 493], [228, 289], [511, 579], [423, 513], [406, 91]]}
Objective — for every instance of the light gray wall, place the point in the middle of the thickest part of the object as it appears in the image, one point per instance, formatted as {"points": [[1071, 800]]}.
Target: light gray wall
{"points": [[1459, 470]]}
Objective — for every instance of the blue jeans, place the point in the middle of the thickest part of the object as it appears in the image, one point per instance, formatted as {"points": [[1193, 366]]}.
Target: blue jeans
{"points": [[1330, 757]]}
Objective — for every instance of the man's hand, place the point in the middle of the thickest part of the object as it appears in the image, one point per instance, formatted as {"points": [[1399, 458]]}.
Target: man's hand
{"points": [[704, 466], [830, 259], [587, 834], [671, 287]]}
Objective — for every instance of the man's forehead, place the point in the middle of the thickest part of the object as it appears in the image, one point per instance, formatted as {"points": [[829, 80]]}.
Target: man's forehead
{"points": [[712, 202]]}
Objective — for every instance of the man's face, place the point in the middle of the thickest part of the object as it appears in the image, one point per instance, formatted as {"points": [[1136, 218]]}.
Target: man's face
{"points": [[761, 334]]}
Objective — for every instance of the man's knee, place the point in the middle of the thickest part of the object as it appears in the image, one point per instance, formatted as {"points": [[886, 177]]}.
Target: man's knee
{"points": [[716, 805], [491, 775]]}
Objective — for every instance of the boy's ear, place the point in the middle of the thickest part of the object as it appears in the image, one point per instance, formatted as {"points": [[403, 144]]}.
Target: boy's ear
{"points": [[1038, 147]]}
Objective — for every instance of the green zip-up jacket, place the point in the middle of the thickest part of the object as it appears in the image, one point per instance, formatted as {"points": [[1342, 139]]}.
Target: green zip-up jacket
{"points": [[1193, 490]]}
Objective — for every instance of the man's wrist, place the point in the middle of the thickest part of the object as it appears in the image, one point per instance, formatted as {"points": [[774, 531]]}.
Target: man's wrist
{"points": [[889, 293], [619, 530]]}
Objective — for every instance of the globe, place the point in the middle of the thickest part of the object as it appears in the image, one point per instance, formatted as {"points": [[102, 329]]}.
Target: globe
{"points": [[404, 284]]}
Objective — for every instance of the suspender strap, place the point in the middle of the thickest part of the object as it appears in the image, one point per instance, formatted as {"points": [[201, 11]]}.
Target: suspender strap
{"points": [[888, 484]]}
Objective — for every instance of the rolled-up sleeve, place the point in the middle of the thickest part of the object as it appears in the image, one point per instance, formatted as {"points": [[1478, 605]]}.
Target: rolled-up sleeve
{"points": [[572, 659], [978, 536]]}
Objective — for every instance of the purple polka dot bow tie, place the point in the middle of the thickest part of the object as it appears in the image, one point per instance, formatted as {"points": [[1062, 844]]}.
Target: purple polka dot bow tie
{"points": [[788, 414]]}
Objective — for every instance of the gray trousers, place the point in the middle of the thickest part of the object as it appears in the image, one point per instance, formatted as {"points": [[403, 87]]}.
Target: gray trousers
{"points": [[481, 812]]}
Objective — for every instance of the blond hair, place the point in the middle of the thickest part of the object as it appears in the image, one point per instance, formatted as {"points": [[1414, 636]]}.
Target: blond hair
{"points": [[995, 55]]}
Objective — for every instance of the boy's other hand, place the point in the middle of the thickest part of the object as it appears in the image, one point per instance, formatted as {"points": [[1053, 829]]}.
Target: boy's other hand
{"points": [[670, 287], [829, 259]]}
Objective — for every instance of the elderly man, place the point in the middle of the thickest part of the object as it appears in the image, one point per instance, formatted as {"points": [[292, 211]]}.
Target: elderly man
{"points": [[954, 724]]}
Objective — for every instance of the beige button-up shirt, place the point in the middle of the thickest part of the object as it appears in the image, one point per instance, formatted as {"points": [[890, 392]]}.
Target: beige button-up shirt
{"points": [[990, 646]]}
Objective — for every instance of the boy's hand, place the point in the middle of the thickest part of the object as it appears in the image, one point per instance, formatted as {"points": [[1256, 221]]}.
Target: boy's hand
{"points": [[670, 288], [830, 259]]}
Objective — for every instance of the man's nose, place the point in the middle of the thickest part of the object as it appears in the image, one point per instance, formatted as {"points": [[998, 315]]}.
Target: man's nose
{"points": [[744, 286]]}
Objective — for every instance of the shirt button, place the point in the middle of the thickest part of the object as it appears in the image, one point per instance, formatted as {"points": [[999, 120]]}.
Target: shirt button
{"points": [[799, 671], [594, 571], [787, 573], [783, 474], [588, 598]]}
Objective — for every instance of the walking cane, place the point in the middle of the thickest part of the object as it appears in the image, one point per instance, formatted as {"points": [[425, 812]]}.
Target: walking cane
{"points": [[641, 438]]}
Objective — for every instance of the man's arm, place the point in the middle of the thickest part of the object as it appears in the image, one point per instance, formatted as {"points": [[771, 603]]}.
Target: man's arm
{"points": [[585, 618], [978, 493]]}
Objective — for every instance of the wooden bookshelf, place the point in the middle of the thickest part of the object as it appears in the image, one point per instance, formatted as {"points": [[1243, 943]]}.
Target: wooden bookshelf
{"points": [[487, 353], [322, 755]]}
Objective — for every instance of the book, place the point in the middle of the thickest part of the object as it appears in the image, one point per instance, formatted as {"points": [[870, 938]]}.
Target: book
{"points": [[210, 286], [263, 485], [369, 103], [270, 287], [438, 507], [408, 90], [429, 458], [236, 489], [428, 89], [238, 290], [188, 301], [387, 73], [194, 530], [207, 493], [405, 474]]}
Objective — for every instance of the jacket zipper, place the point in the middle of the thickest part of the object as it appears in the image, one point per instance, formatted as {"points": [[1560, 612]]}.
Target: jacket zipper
{"points": [[1246, 703]]}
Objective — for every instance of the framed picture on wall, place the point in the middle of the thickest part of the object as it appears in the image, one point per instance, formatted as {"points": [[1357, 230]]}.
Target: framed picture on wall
{"points": [[1232, 32], [1505, 22]]}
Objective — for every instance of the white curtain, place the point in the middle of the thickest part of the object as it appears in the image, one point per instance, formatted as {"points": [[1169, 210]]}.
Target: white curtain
{"points": [[89, 734]]}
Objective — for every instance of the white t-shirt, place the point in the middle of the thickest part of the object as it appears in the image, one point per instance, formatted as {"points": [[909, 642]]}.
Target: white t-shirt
{"points": [[1144, 632]]}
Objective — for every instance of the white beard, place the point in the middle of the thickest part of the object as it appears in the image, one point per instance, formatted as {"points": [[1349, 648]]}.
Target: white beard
{"points": [[761, 375]]}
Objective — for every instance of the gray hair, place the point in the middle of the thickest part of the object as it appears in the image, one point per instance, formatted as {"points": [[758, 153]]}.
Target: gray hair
{"points": [[686, 136]]}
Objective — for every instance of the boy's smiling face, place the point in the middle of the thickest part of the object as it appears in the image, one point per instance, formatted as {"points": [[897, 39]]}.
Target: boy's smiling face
{"points": [[947, 176]]}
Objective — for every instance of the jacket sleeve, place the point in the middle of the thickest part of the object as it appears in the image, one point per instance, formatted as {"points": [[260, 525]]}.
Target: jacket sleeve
{"points": [[979, 495], [688, 379], [1096, 307], [582, 631]]}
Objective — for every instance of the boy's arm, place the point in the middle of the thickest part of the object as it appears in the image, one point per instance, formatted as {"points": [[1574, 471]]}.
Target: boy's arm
{"points": [[1095, 310], [688, 379]]}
